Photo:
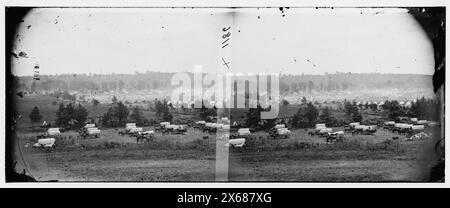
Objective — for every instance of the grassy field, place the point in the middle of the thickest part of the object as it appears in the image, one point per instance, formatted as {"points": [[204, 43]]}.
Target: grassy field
{"points": [[48, 106], [189, 157]]}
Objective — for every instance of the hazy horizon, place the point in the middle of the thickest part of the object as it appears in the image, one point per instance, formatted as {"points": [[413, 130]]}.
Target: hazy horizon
{"points": [[144, 72], [292, 41]]}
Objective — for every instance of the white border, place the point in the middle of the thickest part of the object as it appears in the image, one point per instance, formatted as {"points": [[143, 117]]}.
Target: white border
{"points": [[211, 3]]}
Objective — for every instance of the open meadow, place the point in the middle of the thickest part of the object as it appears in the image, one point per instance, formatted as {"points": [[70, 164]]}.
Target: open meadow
{"points": [[190, 157]]}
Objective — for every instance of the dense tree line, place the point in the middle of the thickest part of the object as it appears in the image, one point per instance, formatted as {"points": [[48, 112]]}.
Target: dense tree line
{"points": [[394, 109], [116, 116], [65, 95], [159, 80], [70, 116], [427, 109], [306, 116], [352, 111], [162, 110], [35, 115]]}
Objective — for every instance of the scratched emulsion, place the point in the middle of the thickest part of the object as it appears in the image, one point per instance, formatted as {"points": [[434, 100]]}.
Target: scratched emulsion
{"points": [[100, 61]]}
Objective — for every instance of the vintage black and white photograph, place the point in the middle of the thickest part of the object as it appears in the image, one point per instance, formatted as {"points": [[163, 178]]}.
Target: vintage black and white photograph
{"points": [[225, 94]]}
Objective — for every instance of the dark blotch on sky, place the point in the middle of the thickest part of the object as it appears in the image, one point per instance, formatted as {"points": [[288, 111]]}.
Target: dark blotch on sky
{"points": [[23, 54]]}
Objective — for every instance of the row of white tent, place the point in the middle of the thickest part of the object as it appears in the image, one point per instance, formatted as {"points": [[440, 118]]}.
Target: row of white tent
{"points": [[167, 125], [405, 126], [419, 122], [214, 125], [91, 129], [409, 126], [359, 126], [322, 128], [47, 142], [132, 128], [282, 129], [413, 120], [53, 131]]}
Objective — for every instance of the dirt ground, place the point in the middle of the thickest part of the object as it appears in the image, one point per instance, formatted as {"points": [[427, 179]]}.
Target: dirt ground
{"points": [[180, 158]]}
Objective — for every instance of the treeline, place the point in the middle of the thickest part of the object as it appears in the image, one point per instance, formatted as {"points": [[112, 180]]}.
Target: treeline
{"points": [[70, 116], [349, 82], [427, 109], [309, 114], [160, 80], [119, 114], [93, 82]]}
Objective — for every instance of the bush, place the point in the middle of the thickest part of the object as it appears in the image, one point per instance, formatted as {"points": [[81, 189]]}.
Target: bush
{"points": [[346, 145], [301, 145], [386, 145], [111, 145], [198, 144]]}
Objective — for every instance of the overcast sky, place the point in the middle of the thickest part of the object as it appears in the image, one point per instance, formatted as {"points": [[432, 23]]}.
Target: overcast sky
{"points": [[293, 41]]}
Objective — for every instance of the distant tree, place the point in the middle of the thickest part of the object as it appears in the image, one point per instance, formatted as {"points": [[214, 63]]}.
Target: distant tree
{"points": [[35, 115], [269, 123], [159, 107], [253, 117], [95, 102], [373, 106], [121, 113], [350, 108], [311, 113], [69, 116], [114, 99], [109, 119], [326, 117], [80, 115], [310, 85], [60, 115], [206, 113], [115, 116], [304, 100], [162, 110], [306, 116], [394, 109], [356, 117], [69, 113], [167, 116], [425, 109], [136, 116]]}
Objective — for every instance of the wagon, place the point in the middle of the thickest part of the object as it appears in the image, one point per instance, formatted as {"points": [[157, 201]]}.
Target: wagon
{"points": [[280, 132], [317, 130], [325, 131], [335, 137], [47, 143], [237, 143], [89, 130], [144, 137]]}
